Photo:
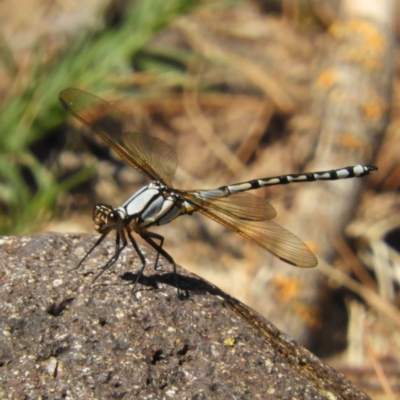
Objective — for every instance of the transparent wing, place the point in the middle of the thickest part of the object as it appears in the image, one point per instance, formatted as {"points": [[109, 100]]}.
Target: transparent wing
{"points": [[147, 154], [236, 213], [242, 205]]}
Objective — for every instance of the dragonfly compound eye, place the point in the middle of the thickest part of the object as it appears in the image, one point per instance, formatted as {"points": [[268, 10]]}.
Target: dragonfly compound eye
{"points": [[114, 220]]}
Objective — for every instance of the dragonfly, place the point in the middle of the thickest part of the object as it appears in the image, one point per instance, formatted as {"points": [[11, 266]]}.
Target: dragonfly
{"points": [[159, 203]]}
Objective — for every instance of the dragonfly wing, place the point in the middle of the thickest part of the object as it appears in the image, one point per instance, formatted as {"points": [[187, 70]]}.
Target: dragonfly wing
{"points": [[157, 158], [243, 205], [147, 154], [231, 212]]}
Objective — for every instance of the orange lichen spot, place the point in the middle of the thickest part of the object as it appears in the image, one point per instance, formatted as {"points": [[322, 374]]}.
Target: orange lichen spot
{"points": [[372, 61], [373, 39], [338, 30], [362, 30], [373, 111], [309, 314], [364, 43], [350, 141], [312, 246], [374, 106], [287, 288], [326, 79]]}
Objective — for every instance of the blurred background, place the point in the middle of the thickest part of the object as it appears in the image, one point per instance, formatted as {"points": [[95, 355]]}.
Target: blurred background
{"points": [[242, 90]]}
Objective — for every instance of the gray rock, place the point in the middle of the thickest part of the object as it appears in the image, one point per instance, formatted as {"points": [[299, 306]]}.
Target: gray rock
{"points": [[61, 337]]}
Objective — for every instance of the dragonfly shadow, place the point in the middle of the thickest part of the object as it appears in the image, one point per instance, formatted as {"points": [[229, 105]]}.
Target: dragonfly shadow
{"points": [[186, 285]]}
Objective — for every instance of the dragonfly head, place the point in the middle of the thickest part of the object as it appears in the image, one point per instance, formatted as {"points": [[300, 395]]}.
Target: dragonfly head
{"points": [[106, 218]]}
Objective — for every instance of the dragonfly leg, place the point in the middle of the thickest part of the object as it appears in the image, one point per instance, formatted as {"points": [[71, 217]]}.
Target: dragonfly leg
{"points": [[135, 245], [149, 238], [118, 248], [98, 241], [142, 259]]}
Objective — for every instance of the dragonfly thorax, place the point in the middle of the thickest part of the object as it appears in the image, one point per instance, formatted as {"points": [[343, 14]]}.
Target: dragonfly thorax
{"points": [[154, 204]]}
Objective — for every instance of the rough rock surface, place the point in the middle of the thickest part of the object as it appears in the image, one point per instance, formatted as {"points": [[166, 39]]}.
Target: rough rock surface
{"points": [[61, 337]]}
